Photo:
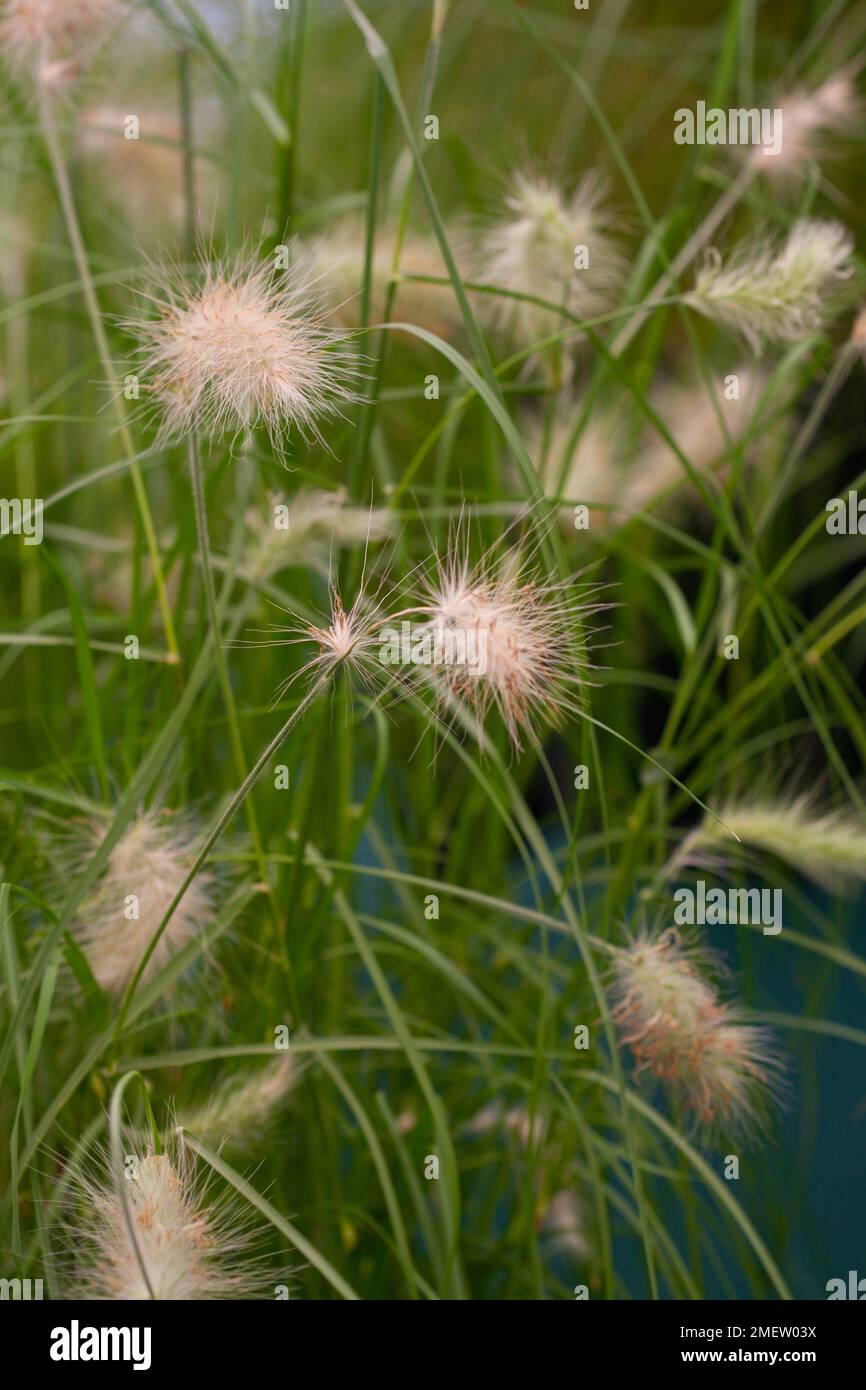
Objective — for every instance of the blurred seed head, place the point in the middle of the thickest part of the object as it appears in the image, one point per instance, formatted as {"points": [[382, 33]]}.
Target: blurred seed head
{"points": [[858, 333], [319, 524], [563, 1222], [241, 1108], [244, 345], [493, 1116], [716, 1066], [144, 176], [827, 846], [807, 118], [705, 433], [49, 38], [145, 870], [532, 250], [583, 468], [337, 262], [777, 294]]}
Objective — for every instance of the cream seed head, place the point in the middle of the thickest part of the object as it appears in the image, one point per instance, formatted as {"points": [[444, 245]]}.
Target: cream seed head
{"points": [[807, 118], [45, 36], [241, 1108], [581, 466], [337, 262], [242, 347], [777, 294], [535, 250], [347, 641], [504, 639], [563, 1223], [145, 870], [825, 845], [182, 1246], [308, 529], [718, 1067]]}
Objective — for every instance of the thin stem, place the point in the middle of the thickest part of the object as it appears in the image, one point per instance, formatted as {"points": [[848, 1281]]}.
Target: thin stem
{"points": [[67, 203], [835, 380], [238, 753], [216, 830]]}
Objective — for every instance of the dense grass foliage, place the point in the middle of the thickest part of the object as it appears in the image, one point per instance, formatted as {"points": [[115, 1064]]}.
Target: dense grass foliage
{"points": [[319, 316]]}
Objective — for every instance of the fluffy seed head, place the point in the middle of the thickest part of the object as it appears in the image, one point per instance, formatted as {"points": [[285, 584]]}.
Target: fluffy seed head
{"points": [[348, 641], [807, 117], [144, 872], [507, 639], [337, 261], [777, 294], [694, 422], [307, 530], [243, 347], [40, 33], [348, 638], [717, 1067], [182, 1245], [533, 251], [583, 469], [240, 1109], [827, 846]]}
